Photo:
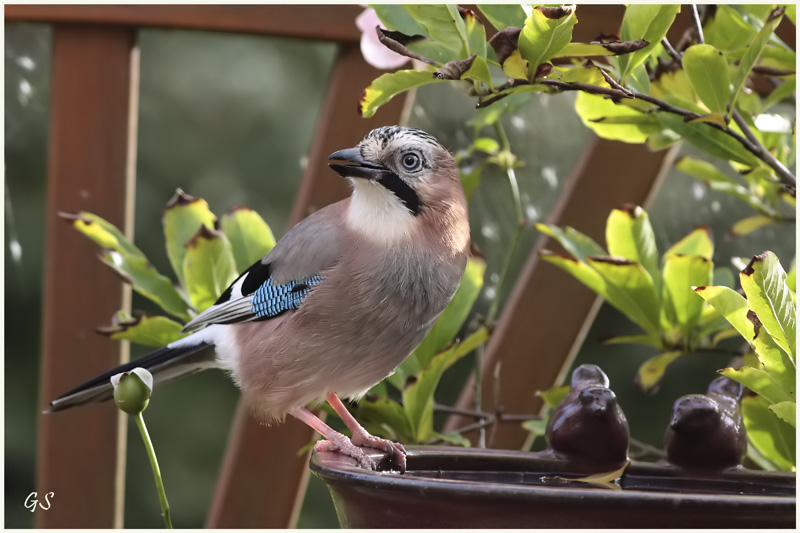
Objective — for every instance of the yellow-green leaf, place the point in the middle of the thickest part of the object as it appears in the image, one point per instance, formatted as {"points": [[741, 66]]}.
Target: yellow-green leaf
{"points": [[542, 37], [595, 112], [630, 235], [707, 70], [650, 374], [748, 225], [787, 411], [250, 237], [754, 49], [702, 170], [439, 22], [101, 231], [644, 21], [681, 273], [553, 396], [774, 439], [146, 329], [758, 381], [634, 284], [183, 217], [146, 280], [387, 86], [729, 304], [208, 267], [710, 140], [574, 242], [764, 284], [698, 242]]}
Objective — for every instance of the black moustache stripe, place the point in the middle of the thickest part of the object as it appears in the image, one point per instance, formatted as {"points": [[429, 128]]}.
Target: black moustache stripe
{"points": [[406, 194]]}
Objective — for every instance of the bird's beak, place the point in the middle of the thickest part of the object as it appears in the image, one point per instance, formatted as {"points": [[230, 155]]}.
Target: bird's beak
{"points": [[359, 169]]}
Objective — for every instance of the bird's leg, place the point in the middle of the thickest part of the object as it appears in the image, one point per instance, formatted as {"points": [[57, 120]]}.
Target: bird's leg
{"points": [[336, 441], [362, 438]]}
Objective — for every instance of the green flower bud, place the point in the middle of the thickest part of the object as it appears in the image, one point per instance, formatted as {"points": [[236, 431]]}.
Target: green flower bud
{"points": [[132, 390]]}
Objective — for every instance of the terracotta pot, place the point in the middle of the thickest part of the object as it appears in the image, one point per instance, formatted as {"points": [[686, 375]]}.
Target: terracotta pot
{"points": [[478, 488]]}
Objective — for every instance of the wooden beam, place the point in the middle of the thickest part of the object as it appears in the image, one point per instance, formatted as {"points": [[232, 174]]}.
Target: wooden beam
{"points": [[317, 22], [544, 321], [87, 160], [263, 480]]}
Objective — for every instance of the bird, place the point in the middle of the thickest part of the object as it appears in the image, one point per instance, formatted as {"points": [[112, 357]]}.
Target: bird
{"points": [[588, 426], [340, 301], [707, 431]]}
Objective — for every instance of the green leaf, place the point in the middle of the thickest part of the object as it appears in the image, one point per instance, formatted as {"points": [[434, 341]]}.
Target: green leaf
{"points": [[250, 237], [780, 93], [183, 217], [764, 284], [574, 242], [453, 438], [515, 67], [787, 411], [502, 16], [681, 273], [630, 235], [773, 438], [440, 24], [651, 340], [387, 416], [395, 17], [707, 70], [537, 427], [147, 281], [702, 170], [102, 232], [635, 285], [754, 49], [748, 225], [727, 29], [698, 242], [487, 145], [543, 37], [644, 21], [479, 71], [708, 139], [148, 330], [418, 396], [553, 396], [758, 381], [650, 374], [731, 305], [470, 180], [596, 113], [476, 36], [387, 86], [662, 139], [208, 267]]}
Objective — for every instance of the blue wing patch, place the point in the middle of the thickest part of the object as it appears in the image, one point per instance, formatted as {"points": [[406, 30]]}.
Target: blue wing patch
{"points": [[272, 300]]}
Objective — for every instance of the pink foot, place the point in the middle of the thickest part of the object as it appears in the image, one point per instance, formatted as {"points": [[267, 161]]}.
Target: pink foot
{"points": [[362, 438], [341, 444]]}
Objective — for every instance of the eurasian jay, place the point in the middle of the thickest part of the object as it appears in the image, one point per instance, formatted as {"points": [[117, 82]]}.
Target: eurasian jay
{"points": [[341, 300]]}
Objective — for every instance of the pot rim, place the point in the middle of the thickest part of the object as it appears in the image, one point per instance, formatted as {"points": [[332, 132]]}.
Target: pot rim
{"points": [[334, 467]]}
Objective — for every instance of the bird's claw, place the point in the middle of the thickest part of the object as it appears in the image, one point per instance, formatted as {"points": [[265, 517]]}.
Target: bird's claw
{"points": [[396, 449], [345, 447]]}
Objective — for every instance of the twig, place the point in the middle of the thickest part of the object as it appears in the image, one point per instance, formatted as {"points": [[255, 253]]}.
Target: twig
{"points": [[674, 54], [698, 27], [762, 153], [588, 88]]}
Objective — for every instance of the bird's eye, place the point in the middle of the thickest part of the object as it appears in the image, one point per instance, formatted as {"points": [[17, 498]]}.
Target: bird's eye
{"points": [[411, 162]]}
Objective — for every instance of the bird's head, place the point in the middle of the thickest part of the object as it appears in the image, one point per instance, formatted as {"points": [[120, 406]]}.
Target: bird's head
{"points": [[403, 179]]}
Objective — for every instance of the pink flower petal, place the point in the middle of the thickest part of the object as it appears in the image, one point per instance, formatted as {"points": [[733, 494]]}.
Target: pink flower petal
{"points": [[373, 51]]}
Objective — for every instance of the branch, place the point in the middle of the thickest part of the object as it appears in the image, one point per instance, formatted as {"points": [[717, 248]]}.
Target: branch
{"points": [[762, 153], [698, 27], [674, 54]]}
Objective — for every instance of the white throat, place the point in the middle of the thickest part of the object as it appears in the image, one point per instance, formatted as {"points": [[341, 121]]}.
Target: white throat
{"points": [[376, 213]]}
